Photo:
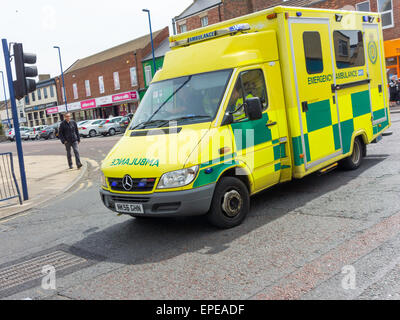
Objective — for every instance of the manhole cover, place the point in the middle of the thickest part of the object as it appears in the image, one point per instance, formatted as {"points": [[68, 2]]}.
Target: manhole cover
{"points": [[32, 269], [27, 272]]}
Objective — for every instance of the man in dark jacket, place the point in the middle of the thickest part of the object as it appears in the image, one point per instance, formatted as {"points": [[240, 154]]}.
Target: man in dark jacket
{"points": [[69, 136]]}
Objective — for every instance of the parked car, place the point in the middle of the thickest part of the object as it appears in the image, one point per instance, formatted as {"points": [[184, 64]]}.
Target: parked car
{"points": [[32, 134], [55, 126], [90, 128], [48, 132], [11, 133], [124, 123], [111, 126]]}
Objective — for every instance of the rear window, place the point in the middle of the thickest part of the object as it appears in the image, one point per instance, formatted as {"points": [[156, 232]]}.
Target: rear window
{"points": [[349, 48], [313, 52]]}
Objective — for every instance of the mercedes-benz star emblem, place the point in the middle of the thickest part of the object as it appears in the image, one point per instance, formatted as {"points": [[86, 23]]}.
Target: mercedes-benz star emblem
{"points": [[127, 183]]}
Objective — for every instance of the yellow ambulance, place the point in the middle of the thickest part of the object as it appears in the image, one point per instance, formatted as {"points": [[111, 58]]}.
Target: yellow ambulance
{"points": [[246, 104]]}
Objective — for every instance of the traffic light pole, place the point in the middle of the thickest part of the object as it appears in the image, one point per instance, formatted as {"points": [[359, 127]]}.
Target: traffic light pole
{"points": [[15, 120]]}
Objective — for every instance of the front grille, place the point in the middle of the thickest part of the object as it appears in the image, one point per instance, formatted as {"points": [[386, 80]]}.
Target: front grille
{"points": [[139, 184], [130, 199]]}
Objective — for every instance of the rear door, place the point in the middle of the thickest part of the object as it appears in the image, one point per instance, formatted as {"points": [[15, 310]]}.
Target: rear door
{"points": [[376, 74], [314, 73]]}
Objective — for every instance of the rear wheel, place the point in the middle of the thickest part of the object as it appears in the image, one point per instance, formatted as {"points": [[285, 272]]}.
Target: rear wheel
{"points": [[92, 133], [52, 136], [354, 161], [230, 204]]}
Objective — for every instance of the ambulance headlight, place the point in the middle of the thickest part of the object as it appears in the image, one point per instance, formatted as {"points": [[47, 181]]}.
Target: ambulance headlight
{"points": [[178, 178], [103, 180]]}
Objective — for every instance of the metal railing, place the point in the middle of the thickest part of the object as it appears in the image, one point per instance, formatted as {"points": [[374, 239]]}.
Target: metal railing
{"points": [[8, 183]]}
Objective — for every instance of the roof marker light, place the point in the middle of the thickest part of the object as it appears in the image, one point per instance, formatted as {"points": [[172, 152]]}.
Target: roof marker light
{"points": [[338, 17], [365, 18], [272, 16], [299, 14]]}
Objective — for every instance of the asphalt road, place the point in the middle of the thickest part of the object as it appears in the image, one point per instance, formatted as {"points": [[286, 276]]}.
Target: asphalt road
{"points": [[335, 236]]}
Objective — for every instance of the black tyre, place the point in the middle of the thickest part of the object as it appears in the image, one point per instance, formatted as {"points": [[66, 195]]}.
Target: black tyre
{"points": [[52, 136], [230, 204], [354, 161], [92, 133], [112, 132]]}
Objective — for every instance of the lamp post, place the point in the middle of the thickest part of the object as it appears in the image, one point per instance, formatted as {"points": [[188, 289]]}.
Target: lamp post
{"points": [[62, 77], [5, 98], [151, 37]]}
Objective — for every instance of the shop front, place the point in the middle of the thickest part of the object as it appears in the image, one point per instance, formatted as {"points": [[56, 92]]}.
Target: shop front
{"points": [[99, 108], [392, 55], [117, 105], [37, 115]]}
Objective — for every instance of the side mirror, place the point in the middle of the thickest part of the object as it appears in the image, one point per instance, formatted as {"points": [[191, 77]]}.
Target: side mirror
{"points": [[228, 119], [253, 108]]}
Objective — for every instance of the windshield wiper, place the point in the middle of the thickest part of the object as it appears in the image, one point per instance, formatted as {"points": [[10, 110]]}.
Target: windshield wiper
{"points": [[146, 123], [190, 118]]}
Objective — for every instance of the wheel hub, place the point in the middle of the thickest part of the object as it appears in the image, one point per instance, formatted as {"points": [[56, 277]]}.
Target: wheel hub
{"points": [[232, 203]]}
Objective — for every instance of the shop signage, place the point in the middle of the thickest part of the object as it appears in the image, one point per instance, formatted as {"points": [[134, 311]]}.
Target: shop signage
{"points": [[125, 96], [88, 104], [40, 107], [104, 100]]}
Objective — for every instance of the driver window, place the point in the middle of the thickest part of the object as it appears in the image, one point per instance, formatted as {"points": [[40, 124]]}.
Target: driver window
{"points": [[250, 84]]}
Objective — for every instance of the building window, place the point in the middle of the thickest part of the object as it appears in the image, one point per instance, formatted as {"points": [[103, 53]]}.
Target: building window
{"points": [[313, 52], [101, 84], [27, 99], [87, 87], [204, 21], [148, 75], [183, 28], [349, 48], [52, 91], [117, 85], [45, 93], [385, 7], [75, 89], [133, 77], [33, 96], [363, 6], [39, 94]]}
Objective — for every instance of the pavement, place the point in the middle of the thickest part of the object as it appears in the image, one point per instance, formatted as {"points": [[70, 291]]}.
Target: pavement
{"points": [[47, 178]]}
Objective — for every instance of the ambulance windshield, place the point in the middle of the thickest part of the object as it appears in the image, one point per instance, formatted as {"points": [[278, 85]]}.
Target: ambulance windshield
{"points": [[186, 100]]}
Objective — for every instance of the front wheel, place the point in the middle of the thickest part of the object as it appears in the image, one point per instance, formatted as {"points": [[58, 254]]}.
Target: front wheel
{"points": [[112, 132], [354, 161], [230, 204]]}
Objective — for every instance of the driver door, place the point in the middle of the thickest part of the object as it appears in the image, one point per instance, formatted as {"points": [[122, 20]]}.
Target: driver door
{"points": [[254, 139]]}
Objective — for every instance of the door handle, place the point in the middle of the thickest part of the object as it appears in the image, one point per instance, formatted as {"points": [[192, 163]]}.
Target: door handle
{"points": [[270, 124], [304, 106], [380, 88]]}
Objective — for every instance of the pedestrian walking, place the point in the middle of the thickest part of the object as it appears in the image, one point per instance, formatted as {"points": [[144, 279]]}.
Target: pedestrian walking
{"points": [[393, 90], [69, 135]]}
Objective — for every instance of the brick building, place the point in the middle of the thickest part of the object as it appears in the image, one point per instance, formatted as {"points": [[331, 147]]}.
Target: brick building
{"points": [[205, 12], [108, 83]]}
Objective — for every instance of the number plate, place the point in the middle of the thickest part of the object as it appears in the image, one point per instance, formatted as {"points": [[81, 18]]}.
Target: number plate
{"points": [[129, 207]]}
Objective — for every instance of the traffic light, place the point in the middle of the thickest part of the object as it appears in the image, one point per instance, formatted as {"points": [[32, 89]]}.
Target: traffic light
{"points": [[23, 85]]}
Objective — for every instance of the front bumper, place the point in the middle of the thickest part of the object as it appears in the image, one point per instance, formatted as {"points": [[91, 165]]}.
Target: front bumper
{"points": [[191, 202]]}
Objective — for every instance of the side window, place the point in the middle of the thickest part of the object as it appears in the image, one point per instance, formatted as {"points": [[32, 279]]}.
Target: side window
{"points": [[349, 48], [313, 52], [250, 84]]}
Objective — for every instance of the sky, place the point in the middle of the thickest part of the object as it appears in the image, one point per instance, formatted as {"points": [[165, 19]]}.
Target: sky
{"points": [[80, 27]]}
